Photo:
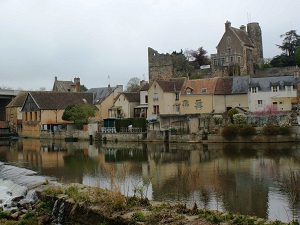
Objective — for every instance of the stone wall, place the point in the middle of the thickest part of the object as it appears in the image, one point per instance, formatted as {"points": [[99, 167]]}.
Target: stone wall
{"points": [[160, 66]]}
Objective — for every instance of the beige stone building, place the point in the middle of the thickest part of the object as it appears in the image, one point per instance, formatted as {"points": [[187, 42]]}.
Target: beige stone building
{"points": [[164, 97], [124, 104], [197, 96], [42, 110], [239, 51], [103, 99]]}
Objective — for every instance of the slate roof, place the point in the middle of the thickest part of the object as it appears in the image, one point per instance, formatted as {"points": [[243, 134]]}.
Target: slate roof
{"points": [[265, 83], [224, 86], [100, 94], [132, 96], [243, 36], [198, 84], [18, 101], [240, 85], [59, 100], [174, 85]]}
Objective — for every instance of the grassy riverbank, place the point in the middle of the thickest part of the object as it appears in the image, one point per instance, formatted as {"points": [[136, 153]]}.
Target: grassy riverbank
{"points": [[79, 204]]}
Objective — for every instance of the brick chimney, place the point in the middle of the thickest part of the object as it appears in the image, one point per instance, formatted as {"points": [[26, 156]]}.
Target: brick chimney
{"points": [[227, 25], [77, 84]]}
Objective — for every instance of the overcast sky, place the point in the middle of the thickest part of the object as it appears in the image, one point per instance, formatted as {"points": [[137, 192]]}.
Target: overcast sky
{"points": [[94, 39]]}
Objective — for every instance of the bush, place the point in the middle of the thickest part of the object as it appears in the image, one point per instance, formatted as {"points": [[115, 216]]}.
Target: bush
{"points": [[218, 119], [239, 119], [247, 131], [230, 132], [285, 131], [270, 130], [231, 112]]}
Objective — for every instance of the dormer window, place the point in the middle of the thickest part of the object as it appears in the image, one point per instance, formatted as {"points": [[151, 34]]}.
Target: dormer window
{"points": [[288, 88], [203, 90], [254, 89], [275, 88], [188, 91]]}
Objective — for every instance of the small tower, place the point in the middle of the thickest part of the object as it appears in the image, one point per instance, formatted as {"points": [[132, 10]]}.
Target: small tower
{"points": [[254, 33]]}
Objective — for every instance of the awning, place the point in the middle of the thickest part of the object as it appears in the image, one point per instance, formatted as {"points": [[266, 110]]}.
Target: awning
{"points": [[115, 107], [151, 118], [141, 106]]}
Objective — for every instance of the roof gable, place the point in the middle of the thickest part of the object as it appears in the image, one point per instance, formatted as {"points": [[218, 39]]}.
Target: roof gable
{"points": [[197, 86], [100, 94], [173, 86], [224, 86]]}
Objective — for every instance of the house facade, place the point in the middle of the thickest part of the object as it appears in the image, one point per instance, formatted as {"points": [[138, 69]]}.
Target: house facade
{"points": [[197, 96], [141, 110], [42, 110], [14, 114], [281, 92], [239, 51], [164, 97], [231, 92], [103, 99], [124, 105]]}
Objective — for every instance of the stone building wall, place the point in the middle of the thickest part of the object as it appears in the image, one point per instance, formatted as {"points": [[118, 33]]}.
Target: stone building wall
{"points": [[160, 66]]}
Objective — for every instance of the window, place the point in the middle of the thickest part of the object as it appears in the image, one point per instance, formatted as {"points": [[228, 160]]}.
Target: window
{"points": [[231, 59], [146, 98], [215, 62], [260, 103], [185, 104], [188, 91], [176, 96], [254, 89], [274, 88], [203, 90], [155, 96], [198, 104], [156, 109], [229, 50], [275, 104], [228, 40], [36, 116], [239, 59], [177, 108], [288, 88]]}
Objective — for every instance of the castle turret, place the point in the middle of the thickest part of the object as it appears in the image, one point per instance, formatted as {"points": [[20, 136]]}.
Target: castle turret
{"points": [[254, 33]]}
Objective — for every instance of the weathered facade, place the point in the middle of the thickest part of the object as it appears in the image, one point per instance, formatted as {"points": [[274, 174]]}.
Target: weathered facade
{"points": [[160, 66], [42, 111], [163, 97], [66, 86], [103, 99], [239, 51]]}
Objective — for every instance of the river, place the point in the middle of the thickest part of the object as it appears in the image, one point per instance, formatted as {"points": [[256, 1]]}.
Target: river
{"points": [[252, 179]]}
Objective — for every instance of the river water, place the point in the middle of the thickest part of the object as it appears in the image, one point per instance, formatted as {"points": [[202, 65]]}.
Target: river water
{"points": [[253, 179]]}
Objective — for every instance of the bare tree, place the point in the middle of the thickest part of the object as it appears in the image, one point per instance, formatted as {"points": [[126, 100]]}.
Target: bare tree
{"points": [[133, 84]]}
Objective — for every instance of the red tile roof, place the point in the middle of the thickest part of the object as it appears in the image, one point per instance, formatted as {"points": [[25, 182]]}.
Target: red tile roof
{"points": [[198, 85]]}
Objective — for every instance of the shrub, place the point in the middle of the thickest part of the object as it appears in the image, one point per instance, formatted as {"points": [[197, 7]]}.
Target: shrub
{"points": [[218, 119], [230, 132], [270, 130], [239, 119], [285, 130], [231, 112], [247, 131]]}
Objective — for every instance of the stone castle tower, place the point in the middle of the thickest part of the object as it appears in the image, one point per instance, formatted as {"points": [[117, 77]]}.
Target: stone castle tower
{"points": [[254, 33], [160, 66]]}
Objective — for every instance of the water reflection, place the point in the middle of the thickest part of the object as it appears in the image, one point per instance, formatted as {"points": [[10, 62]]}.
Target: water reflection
{"points": [[253, 179]]}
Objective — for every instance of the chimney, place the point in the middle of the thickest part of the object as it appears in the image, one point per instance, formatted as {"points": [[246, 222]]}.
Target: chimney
{"points": [[77, 84], [243, 28], [227, 25], [55, 78]]}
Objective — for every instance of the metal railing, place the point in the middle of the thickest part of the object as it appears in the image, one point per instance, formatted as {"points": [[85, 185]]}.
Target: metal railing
{"points": [[108, 130]]}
